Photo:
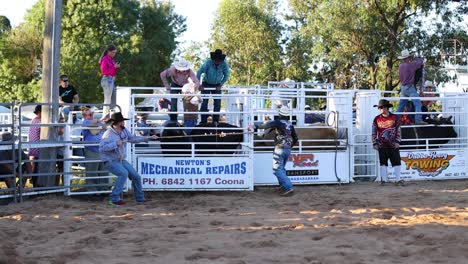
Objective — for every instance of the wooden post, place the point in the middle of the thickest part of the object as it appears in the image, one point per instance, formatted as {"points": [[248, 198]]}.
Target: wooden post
{"points": [[50, 80]]}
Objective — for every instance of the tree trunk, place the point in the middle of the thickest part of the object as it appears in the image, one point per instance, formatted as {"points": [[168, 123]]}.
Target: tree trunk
{"points": [[50, 80]]}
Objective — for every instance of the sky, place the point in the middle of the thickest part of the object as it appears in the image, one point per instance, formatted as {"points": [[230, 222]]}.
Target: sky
{"points": [[199, 15]]}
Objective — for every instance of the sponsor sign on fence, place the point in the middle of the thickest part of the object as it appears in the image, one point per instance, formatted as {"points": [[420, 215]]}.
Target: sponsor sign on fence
{"points": [[433, 165], [304, 168], [195, 173]]}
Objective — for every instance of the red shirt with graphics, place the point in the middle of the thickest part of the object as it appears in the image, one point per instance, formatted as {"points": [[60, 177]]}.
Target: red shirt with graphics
{"points": [[386, 131]]}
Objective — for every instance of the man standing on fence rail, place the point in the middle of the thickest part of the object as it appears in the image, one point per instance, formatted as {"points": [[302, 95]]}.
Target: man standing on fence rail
{"points": [[113, 149], [407, 74], [386, 137], [217, 73], [179, 73]]}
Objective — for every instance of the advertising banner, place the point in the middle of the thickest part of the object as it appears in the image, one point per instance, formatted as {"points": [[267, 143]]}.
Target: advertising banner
{"points": [[432, 165], [304, 168], [233, 173]]}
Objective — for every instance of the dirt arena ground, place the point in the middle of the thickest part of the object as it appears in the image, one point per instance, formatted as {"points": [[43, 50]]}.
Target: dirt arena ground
{"points": [[423, 222]]}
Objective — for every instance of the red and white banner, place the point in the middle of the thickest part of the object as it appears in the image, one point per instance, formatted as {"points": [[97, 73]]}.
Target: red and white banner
{"points": [[304, 168]]}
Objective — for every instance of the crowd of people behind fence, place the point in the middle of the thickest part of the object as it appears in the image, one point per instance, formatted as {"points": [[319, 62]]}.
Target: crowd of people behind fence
{"points": [[181, 79]]}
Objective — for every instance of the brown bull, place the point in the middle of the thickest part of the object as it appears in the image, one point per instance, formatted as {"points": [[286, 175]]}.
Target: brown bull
{"points": [[305, 133]]}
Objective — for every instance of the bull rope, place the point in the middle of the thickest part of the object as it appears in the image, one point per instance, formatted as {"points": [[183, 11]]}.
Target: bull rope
{"points": [[205, 135]]}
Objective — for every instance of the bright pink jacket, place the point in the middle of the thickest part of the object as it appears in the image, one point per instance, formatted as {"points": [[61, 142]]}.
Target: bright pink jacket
{"points": [[108, 66]]}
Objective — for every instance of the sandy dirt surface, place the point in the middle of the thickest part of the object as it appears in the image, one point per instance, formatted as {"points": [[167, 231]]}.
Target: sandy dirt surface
{"points": [[423, 222]]}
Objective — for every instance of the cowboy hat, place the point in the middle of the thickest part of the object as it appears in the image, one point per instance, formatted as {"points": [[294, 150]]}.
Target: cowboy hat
{"points": [[404, 54], [188, 88], [181, 64], [116, 117], [284, 111], [217, 55], [383, 103], [429, 84]]}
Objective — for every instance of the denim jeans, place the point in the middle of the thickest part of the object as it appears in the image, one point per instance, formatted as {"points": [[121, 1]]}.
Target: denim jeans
{"points": [[216, 105], [410, 91], [174, 102], [91, 171], [280, 157], [107, 83], [63, 111], [123, 170]]}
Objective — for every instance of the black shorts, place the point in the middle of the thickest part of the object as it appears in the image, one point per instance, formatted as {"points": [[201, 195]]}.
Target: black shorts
{"points": [[389, 153]]}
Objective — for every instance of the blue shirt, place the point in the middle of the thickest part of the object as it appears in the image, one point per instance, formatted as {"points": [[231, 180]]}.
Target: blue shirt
{"points": [[88, 136], [216, 75]]}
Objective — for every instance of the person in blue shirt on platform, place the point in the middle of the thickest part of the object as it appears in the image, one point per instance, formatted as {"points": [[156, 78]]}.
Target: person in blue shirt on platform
{"points": [[285, 139], [216, 72]]}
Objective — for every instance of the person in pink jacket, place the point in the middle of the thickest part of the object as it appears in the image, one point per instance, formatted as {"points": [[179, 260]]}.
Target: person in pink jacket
{"points": [[108, 70]]}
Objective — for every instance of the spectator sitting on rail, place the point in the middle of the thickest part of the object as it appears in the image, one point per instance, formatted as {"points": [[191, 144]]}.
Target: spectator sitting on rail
{"points": [[143, 123], [35, 136], [191, 103], [68, 94], [386, 137], [164, 104], [180, 73], [407, 71], [11, 167], [113, 150], [285, 139], [94, 136]]}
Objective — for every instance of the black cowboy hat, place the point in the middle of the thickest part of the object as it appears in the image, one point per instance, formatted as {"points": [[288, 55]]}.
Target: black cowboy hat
{"points": [[217, 55], [383, 103], [116, 117]]}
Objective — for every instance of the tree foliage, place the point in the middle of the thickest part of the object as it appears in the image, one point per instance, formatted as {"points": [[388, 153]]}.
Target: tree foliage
{"points": [[144, 32], [249, 33], [360, 40]]}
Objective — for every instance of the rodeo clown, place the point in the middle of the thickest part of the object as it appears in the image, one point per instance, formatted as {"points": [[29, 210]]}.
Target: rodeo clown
{"points": [[386, 137]]}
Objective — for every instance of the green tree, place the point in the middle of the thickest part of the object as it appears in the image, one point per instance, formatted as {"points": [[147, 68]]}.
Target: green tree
{"points": [[143, 30], [360, 40], [249, 33]]}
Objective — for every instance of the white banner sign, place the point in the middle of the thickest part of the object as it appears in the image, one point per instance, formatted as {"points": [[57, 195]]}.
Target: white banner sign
{"points": [[304, 168], [196, 173], [432, 165]]}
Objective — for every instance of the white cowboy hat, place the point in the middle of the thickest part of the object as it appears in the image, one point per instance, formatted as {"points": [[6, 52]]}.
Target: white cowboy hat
{"points": [[195, 100], [404, 54], [181, 64], [284, 111], [188, 88], [429, 84]]}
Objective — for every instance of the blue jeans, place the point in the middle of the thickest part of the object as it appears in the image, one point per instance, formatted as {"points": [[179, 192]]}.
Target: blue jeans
{"points": [[108, 87], [410, 91], [174, 101], [123, 170], [280, 157], [216, 105]]}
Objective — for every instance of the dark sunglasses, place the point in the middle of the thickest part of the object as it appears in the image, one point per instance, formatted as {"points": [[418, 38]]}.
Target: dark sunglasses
{"points": [[64, 80]]}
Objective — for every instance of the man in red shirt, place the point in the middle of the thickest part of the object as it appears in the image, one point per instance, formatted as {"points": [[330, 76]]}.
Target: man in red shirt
{"points": [[386, 137]]}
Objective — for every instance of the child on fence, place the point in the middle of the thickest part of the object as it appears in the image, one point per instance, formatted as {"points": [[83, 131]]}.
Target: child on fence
{"points": [[191, 103], [386, 137]]}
